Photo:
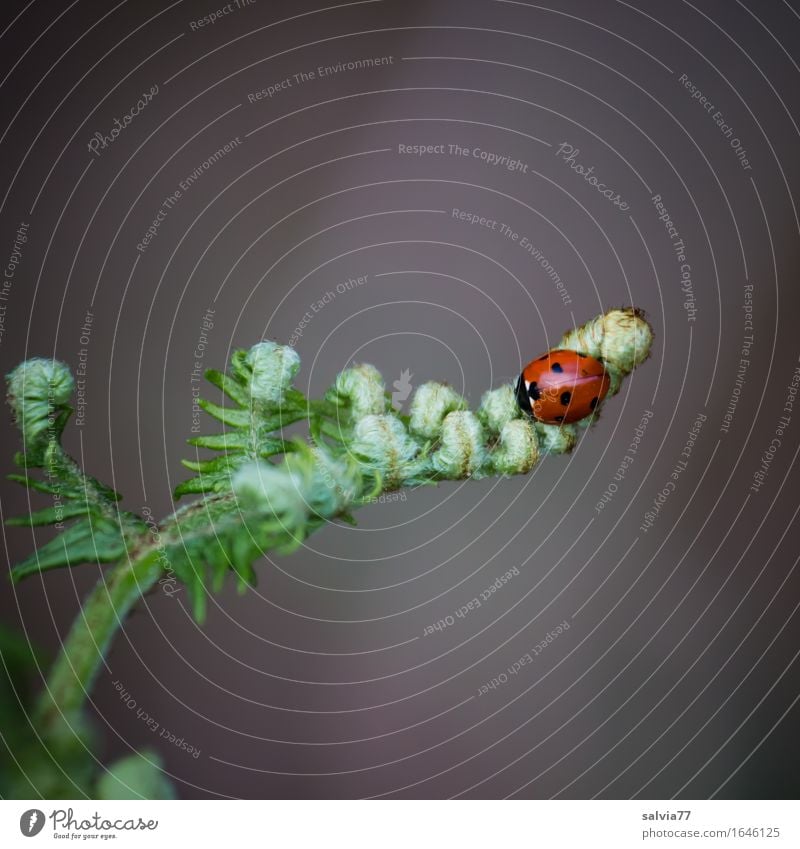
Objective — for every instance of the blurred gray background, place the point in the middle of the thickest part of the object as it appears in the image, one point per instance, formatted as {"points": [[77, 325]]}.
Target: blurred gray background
{"points": [[678, 673]]}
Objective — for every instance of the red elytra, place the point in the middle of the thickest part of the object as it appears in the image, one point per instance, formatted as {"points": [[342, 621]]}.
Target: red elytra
{"points": [[562, 386]]}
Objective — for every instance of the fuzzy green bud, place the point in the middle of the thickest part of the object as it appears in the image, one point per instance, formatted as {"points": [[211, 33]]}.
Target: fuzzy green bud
{"points": [[384, 445], [498, 408], [430, 404], [272, 368], [362, 388], [273, 490], [333, 483], [518, 450], [621, 337], [555, 439], [462, 452], [39, 391]]}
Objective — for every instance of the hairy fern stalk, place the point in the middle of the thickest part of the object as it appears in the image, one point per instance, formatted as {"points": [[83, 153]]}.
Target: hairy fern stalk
{"points": [[262, 490]]}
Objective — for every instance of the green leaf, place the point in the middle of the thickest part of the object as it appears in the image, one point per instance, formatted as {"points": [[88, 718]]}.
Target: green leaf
{"points": [[235, 391], [239, 366], [230, 441], [295, 398], [237, 442], [137, 776], [219, 568], [243, 552], [106, 491], [54, 764], [209, 482], [51, 515], [32, 483], [224, 463], [89, 541], [194, 486], [227, 415], [66, 488], [197, 591], [286, 416]]}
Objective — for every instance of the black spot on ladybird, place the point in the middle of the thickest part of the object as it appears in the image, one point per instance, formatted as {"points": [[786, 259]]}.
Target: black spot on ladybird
{"points": [[593, 403], [558, 419], [566, 397], [580, 354], [534, 392], [522, 396], [556, 367]]}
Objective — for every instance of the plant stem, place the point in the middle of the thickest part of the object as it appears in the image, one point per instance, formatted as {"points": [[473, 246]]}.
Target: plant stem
{"points": [[87, 643], [281, 503]]}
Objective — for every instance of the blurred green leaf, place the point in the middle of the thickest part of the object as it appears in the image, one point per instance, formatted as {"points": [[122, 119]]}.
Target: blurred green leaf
{"points": [[92, 540], [136, 776]]}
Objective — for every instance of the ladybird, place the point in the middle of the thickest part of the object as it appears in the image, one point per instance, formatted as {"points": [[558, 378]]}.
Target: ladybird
{"points": [[562, 386]]}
